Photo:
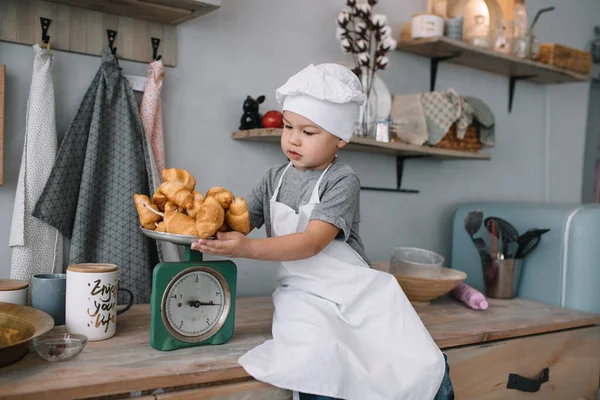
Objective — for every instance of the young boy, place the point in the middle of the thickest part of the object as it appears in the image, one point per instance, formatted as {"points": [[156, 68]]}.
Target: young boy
{"points": [[341, 330]]}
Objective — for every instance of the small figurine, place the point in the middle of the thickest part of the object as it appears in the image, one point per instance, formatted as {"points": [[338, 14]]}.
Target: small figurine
{"points": [[251, 119]]}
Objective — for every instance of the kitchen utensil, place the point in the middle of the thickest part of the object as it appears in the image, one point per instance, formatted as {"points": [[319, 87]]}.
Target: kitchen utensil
{"points": [[193, 301], [59, 346], [424, 284], [529, 241], [472, 224], [504, 231], [20, 324]]}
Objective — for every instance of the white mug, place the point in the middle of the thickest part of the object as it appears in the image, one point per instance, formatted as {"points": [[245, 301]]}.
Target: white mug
{"points": [[91, 300], [14, 291], [426, 25]]}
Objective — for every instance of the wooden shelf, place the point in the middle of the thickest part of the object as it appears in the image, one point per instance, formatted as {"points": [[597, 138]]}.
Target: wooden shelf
{"points": [[464, 54], [359, 144], [170, 12]]}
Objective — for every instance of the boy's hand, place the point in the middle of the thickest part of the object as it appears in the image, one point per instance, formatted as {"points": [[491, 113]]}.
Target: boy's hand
{"points": [[228, 244]]}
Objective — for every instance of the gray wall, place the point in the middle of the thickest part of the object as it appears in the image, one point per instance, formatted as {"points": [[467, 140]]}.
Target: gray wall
{"points": [[253, 47]]}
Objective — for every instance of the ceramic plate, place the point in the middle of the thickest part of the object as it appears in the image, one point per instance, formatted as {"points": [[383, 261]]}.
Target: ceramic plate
{"points": [[384, 97], [171, 237]]}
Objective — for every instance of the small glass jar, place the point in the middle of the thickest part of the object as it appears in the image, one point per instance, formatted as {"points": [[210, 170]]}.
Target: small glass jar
{"points": [[479, 34]]}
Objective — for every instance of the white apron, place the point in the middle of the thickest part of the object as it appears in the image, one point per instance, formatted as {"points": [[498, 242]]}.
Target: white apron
{"points": [[37, 248], [340, 328]]}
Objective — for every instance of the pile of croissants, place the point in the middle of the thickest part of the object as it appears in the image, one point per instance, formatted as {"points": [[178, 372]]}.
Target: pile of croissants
{"points": [[178, 208]]}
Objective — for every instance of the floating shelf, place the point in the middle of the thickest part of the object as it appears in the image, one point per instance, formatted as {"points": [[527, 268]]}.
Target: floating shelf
{"points": [[402, 152], [170, 12], [460, 53], [273, 135]]}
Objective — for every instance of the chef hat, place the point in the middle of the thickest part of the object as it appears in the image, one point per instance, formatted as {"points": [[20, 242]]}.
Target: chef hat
{"points": [[329, 95]]}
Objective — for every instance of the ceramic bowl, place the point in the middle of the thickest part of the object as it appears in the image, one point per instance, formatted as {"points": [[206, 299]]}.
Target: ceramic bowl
{"points": [[18, 326], [59, 346], [425, 284]]}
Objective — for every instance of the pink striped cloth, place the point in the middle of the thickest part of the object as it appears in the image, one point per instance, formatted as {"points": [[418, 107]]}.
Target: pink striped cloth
{"points": [[151, 112]]}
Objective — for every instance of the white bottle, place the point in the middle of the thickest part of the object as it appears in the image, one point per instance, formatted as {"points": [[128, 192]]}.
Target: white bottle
{"points": [[520, 28], [520, 22]]}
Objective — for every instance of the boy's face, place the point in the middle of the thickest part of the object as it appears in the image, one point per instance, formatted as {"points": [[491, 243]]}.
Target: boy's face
{"points": [[307, 145]]}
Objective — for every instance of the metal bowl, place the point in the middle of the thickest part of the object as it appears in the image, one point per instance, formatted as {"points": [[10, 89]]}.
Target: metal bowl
{"points": [[185, 240], [18, 326]]}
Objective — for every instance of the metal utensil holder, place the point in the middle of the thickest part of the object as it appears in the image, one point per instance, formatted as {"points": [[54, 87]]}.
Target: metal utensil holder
{"points": [[502, 277]]}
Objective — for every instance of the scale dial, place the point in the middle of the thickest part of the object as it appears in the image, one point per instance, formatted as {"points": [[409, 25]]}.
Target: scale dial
{"points": [[195, 304]]}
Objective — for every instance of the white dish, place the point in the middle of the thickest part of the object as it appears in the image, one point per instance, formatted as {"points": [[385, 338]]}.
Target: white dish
{"points": [[384, 98], [171, 237]]}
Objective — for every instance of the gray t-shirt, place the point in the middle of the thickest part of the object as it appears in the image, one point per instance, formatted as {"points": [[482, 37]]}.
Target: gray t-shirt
{"points": [[339, 194]]}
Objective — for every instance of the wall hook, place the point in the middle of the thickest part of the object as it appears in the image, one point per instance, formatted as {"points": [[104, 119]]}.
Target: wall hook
{"points": [[155, 43], [45, 24], [112, 35]]}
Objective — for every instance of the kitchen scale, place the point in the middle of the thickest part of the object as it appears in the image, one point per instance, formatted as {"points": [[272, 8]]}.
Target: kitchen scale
{"points": [[192, 301]]}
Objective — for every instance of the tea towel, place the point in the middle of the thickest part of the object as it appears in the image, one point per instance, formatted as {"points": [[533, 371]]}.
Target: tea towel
{"points": [[36, 246], [151, 114], [442, 109], [101, 164], [487, 123]]}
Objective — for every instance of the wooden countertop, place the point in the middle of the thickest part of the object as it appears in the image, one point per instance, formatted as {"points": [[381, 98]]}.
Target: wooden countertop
{"points": [[127, 363]]}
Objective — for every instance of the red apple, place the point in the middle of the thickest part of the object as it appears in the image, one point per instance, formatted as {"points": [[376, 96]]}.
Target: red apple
{"points": [[272, 119]]}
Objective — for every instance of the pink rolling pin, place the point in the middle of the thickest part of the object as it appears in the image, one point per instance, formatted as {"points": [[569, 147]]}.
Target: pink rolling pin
{"points": [[472, 297]]}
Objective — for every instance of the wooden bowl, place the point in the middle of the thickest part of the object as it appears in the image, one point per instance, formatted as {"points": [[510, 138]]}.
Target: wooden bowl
{"points": [[18, 326], [425, 284]]}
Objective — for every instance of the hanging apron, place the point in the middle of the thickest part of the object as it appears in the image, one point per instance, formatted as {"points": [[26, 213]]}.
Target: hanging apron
{"points": [[340, 328], [36, 246], [100, 165], [151, 115]]}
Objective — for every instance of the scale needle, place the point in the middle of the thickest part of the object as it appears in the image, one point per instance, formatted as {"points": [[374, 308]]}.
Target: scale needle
{"points": [[196, 303]]}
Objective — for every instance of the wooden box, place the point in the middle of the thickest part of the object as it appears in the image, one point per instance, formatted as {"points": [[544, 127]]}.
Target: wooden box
{"points": [[566, 58]]}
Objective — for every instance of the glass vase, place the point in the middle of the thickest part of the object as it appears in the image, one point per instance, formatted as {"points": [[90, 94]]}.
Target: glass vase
{"points": [[366, 125]]}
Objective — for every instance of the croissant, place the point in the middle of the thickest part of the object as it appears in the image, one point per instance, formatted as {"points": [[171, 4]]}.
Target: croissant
{"points": [[148, 213], [161, 227], [177, 193], [238, 217], [224, 227], [181, 176], [159, 200], [198, 200], [170, 206], [179, 223], [223, 196], [210, 218]]}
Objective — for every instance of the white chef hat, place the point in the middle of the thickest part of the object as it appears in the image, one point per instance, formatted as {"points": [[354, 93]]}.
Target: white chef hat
{"points": [[329, 95]]}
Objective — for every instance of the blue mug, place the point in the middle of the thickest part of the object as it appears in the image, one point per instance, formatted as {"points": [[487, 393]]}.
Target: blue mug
{"points": [[48, 294]]}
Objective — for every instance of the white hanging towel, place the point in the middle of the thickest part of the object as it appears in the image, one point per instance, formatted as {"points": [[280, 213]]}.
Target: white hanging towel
{"points": [[36, 246]]}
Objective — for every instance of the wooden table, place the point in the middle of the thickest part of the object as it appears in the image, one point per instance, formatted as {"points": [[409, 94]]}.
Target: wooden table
{"points": [[483, 347]]}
